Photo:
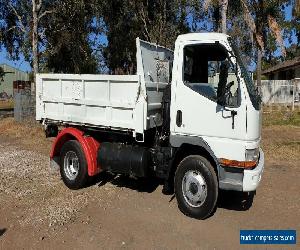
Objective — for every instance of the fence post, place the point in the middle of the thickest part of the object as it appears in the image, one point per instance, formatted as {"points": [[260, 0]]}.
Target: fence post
{"points": [[24, 105], [294, 90]]}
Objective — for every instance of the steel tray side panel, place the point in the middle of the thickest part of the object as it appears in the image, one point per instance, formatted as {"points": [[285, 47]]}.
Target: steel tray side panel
{"points": [[98, 100]]}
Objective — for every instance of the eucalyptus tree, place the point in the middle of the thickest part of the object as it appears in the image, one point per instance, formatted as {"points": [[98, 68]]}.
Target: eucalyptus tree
{"points": [[219, 8], [262, 19], [292, 30], [295, 22], [157, 21], [161, 21], [53, 35], [20, 27], [71, 33]]}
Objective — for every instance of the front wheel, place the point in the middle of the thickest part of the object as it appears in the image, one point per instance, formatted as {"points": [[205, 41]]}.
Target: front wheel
{"points": [[196, 187], [73, 166]]}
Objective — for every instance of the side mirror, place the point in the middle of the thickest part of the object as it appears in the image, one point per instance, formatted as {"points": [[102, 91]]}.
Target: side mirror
{"points": [[221, 92]]}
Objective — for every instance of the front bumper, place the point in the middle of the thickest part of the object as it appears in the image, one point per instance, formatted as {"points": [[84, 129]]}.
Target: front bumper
{"points": [[242, 179]]}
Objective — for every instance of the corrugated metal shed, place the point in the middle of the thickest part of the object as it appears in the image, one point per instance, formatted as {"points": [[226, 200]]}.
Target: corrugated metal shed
{"points": [[6, 86]]}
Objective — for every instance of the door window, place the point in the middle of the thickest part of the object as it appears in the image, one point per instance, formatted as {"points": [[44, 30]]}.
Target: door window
{"points": [[202, 72]]}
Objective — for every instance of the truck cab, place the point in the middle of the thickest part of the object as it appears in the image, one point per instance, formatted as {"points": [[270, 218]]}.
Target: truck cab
{"points": [[191, 116], [215, 104]]}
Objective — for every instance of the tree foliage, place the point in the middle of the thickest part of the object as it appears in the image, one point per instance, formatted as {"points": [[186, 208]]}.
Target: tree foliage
{"points": [[53, 32], [67, 30], [76, 36], [293, 30], [20, 27], [15, 31], [156, 21]]}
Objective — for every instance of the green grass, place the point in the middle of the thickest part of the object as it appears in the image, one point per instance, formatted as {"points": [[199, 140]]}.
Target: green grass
{"points": [[283, 118]]}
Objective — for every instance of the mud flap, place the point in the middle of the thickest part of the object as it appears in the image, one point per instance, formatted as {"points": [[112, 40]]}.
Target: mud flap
{"points": [[54, 165]]}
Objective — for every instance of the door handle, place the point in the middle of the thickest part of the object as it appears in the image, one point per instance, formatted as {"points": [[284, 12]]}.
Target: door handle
{"points": [[179, 118]]}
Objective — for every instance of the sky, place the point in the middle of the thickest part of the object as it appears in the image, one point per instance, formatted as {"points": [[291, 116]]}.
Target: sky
{"points": [[19, 64], [25, 66]]}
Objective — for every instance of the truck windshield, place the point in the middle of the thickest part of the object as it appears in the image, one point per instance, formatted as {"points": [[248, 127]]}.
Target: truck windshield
{"points": [[252, 90]]}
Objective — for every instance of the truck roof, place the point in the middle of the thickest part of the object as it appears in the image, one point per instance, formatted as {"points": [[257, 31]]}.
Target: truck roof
{"points": [[202, 36]]}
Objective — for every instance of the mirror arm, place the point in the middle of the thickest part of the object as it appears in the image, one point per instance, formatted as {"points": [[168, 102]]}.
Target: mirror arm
{"points": [[233, 114]]}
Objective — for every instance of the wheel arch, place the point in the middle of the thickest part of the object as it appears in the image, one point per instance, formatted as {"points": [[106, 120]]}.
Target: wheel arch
{"points": [[89, 146], [186, 150], [185, 146]]}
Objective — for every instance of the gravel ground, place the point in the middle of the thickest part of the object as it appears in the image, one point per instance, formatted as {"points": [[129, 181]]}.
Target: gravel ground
{"points": [[25, 177], [38, 212]]}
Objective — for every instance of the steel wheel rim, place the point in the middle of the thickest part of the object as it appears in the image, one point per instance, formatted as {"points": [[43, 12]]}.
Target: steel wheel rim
{"points": [[194, 188], [71, 165]]}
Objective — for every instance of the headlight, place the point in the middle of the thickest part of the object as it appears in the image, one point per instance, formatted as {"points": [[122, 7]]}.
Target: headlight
{"points": [[250, 162], [252, 154]]}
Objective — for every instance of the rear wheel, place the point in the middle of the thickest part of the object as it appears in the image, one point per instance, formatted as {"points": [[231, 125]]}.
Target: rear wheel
{"points": [[73, 166], [196, 187]]}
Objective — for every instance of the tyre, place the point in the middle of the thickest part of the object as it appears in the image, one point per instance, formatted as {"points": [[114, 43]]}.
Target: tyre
{"points": [[73, 166], [196, 187]]}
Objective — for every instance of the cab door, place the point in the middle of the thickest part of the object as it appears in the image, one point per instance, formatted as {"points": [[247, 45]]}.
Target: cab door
{"points": [[195, 109]]}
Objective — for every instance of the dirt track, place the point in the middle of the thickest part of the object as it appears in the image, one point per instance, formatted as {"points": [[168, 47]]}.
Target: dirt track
{"points": [[38, 211]]}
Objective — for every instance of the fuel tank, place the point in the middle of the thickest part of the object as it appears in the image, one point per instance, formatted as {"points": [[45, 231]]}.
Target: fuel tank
{"points": [[124, 159]]}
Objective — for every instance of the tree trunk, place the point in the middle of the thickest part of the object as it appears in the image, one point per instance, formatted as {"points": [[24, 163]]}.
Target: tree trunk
{"points": [[36, 7], [224, 6], [258, 68], [35, 39]]}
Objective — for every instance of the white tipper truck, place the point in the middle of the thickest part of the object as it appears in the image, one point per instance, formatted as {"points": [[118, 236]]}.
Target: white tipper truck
{"points": [[191, 116]]}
